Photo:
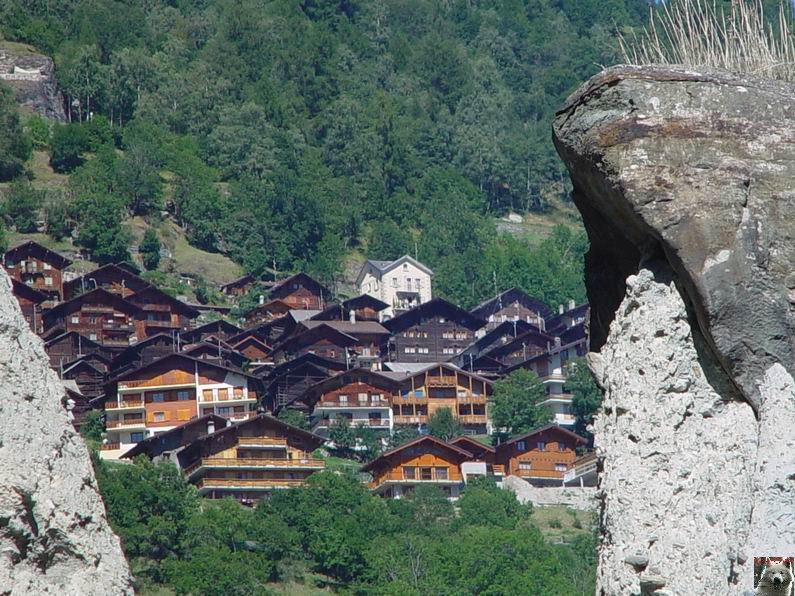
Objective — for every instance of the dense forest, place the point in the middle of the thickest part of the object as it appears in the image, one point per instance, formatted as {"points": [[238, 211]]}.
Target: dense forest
{"points": [[289, 135]]}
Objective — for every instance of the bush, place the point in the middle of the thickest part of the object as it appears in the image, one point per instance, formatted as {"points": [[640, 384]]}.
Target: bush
{"points": [[38, 130], [150, 250], [22, 207], [98, 132], [67, 146]]}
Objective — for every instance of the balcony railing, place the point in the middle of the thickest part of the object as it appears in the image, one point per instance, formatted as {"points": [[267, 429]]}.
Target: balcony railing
{"points": [[498, 469], [165, 324], [444, 381], [206, 484], [255, 463], [411, 419], [112, 405], [382, 403], [472, 418], [110, 446], [125, 423], [261, 442], [471, 399]]}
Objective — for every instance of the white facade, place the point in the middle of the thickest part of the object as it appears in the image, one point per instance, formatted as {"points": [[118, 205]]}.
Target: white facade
{"points": [[402, 284]]}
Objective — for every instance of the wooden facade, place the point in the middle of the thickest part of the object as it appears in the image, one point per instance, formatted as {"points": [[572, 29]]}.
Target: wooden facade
{"points": [[265, 312], [69, 347], [237, 287], [512, 305], [371, 337], [30, 301], [89, 372], [301, 292], [254, 349], [435, 331], [115, 279], [251, 459], [322, 340], [288, 381], [144, 352], [160, 313], [220, 329], [38, 267], [542, 456], [360, 308]]}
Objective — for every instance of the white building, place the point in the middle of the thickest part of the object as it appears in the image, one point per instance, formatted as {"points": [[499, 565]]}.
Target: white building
{"points": [[402, 284]]}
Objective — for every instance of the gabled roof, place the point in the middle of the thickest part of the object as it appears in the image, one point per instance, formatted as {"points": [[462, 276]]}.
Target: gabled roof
{"points": [[240, 281], [34, 248], [543, 429], [212, 327], [153, 295], [451, 367], [471, 445], [507, 329], [352, 329], [484, 309], [535, 338], [346, 377], [557, 321], [386, 266], [255, 341], [427, 440], [433, 308], [282, 288], [303, 360], [73, 335], [110, 272], [185, 359], [29, 293], [82, 363], [171, 439], [272, 306], [340, 311], [309, 336], [97, 296], [139, 346], [205, 348]]}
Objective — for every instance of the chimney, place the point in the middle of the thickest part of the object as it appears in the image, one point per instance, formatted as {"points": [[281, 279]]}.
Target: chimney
{"points": [[210, 427], [261, 299], [571, 304], [560, 309], [352, 316]]}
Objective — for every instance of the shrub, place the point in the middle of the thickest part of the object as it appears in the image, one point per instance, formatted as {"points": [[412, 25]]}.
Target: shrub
{"points": [[67, 146]]}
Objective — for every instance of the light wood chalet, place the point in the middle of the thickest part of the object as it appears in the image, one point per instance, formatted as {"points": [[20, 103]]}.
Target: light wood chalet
{"points": [[169, 392], [161, 313], [105, 318], [542, 456], [301, 292], [250, 459], [426, 460], [38, 267], [116, 279], [511, 305], [30, 301], [362, 396], [435, 331], [438, 386]]}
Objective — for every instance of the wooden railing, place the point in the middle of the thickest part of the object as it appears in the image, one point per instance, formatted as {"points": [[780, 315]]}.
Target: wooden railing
{"points": [[472, 418], [498, 470], [261, 442], [539, 474], [411, 419], [229, 462], [112, 405], [471, 399], [383, 403], [109, 446], [445, 381], [260, 483]]}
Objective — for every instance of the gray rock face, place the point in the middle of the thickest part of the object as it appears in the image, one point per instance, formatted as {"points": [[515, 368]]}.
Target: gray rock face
{"points": [[54, 537], [32, 78], [684, 181]]}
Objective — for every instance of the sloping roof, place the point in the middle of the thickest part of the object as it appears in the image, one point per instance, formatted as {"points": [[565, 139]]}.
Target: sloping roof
{"points": [[507, 297], [540, 340], [240, 281], [427, 439], [152, 294], [464, 441], [548, 427], [157, 444], [46, 255], [304, 359], [27, 292], [304, 314], [96, 296], [557, 320], [185, 358], [83, 340], [344, 377], [212, 326], [385, 266], [430, 309], [339, 311], [283, 284], [109, 272], [338, 338], [353, 329]]}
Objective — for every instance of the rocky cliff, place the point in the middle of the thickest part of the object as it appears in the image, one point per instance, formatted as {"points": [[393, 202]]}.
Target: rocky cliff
{"points": [[684, 182], [54, 537], [32, 78]]}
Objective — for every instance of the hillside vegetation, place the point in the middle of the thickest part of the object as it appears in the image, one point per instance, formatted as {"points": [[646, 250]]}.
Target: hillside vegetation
{"points": [[289, 135]]}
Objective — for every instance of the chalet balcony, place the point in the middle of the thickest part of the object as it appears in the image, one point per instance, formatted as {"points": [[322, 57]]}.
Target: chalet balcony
{"points": [[240, 397], [254, 464], [126, 424], [539, 474], [554, 377], [109, 446], [497, 469], [473, 419], [471, 399], [367, 405], [124, 405], [206, 485], [162, 324], [376, 484], [120, 327], [411, 419], [261, 442], [581, 467], [443, 381]]}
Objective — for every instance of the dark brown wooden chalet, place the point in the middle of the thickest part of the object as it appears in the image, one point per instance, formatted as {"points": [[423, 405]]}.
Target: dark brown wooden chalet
{"points": [[512, 305], [69, 347], [145, 351], [370, 337], [568, 318], [360, 308], [435, 331], [265, 312], [288, 381], [89, 372], [254, 349], [301, 292], [237, 287], [220, 328], [323, 341], [30, 301], [116, 279], [161, 313], [77, 403], [37, 266], [475, 356], [527, 345], [218, 352], [105, 318], [164, 445]]}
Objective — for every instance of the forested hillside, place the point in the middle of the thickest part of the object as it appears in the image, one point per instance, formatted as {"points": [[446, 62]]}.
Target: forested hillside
{"points": [[289, 135]]}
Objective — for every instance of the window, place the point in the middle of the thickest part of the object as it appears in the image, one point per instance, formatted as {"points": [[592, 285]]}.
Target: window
{"points": [[343, 399], [426, 473], [75, 320], [405, 267], [394, 282], [422, 350], [524, 465], [442, 320], [362, 398], [408, 284], [224, 411], [92, 336], [561, 446], [159, 417], [48, 281], [47, 266], [158, 398], [520, 446], [410, 350], [441, 473], [136, 437], [417, 284], [183, 395], [561, 467], [541, 445], [409, 472]]}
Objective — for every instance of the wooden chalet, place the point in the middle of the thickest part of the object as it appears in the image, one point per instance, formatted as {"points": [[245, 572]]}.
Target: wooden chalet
{"points": [[76, 403], [170, 391], [221, 329], [542, 456], [323, 340], [30, 301], [518, 349], [254, 349], [38, 267], [89, 372], [265, 312], [161, 313], [105, 318], [475, 358], [301, 292], [165, 445], [360, 308], [287, 381], [217, 351], [69, 347], [117, 279], [250, 459], [512, 305], [370, 338], [145, 351], [434, 331], [426, 460], [237, 287], [568, 317], [478, 450], [438, 386], [362, 396]]}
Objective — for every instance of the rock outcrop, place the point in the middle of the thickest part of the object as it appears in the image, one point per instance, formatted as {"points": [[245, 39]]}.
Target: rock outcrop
{"points": [[32, 78], [54, 536], [684, 182]]}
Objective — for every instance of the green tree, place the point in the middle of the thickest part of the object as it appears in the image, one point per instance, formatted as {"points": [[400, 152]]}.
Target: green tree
{"points": [[515, 403], [294, 417], [38, 131], [138, 179], [483, 504], [443, 425], [57, 217], [15, 147], [150, 250], [67, 145], [93, 426], [586, 396], [22, 207]]}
